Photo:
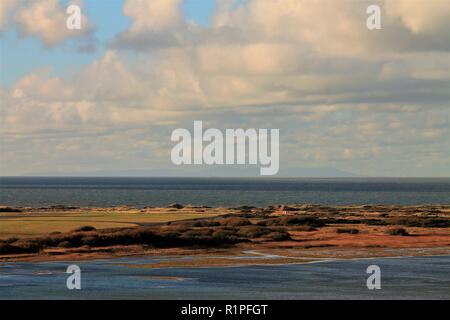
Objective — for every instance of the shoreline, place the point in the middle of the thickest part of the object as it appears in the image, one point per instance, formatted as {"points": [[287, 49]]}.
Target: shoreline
{"points": [[283, 233], [241, 263]]}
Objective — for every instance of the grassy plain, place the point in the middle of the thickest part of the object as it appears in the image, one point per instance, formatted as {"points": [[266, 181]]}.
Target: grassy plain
{"points": [[33, 222], [223, 236]]}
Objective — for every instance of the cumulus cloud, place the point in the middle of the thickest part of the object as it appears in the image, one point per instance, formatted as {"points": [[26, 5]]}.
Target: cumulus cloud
{"points": [[285, 64], [44, 19], [327, 26], [155, 23], [152, 15], [284, 53], [421, 17], [341, 95], [6, 7]]}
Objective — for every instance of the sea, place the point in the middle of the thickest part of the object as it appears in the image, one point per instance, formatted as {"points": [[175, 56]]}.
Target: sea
{"points": [[226, 192]]}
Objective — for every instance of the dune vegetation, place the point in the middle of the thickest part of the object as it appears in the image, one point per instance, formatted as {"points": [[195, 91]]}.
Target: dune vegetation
{"points": [[308, 228]]}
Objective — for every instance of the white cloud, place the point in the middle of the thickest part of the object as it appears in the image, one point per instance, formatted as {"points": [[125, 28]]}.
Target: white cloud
{"points": [[152, 15], [338, 27], [155, 23], [431, 16], [337, 92], [6, 7], [43, 19], [46, 20]]}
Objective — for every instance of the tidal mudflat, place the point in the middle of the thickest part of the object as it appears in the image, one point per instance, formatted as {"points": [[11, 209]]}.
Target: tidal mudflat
{"points": [[401, 278]]}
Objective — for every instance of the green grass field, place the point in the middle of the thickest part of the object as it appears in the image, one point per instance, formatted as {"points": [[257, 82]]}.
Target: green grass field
{"points": [[29, 225]]}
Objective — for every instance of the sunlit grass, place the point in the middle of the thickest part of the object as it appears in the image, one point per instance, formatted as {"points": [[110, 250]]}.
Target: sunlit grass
{"points": [[41, 224]]}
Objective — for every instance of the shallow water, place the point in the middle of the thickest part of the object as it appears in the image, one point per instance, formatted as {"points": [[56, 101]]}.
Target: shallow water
{"points": [[401, 278]]}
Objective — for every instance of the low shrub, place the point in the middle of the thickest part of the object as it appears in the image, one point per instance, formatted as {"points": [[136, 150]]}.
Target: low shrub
{"points": [[398, 232], [372, 222], [84, 229], [253, 231], [178, 228], [6, 248], [231, 231], [245, 208], [199, 223], [226, 236], [278, 236], [423, 222], [293, 221], [9, 209], [20, 246], [65, 244], [304, 228], [199, 233], [62, 207], [10, 240], [175, 206], [89, 240], [347, 230], [235, 222]]}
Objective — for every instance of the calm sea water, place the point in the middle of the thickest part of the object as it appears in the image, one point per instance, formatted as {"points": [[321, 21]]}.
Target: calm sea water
{"points": [[140, 192], [401, 278]]}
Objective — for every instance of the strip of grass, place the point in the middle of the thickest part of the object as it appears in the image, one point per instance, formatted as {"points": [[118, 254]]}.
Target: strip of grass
{"points": [[31, 226], [225, 232]]}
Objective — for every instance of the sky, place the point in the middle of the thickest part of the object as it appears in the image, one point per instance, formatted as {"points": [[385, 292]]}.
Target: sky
{"points": [[107, 97]]}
